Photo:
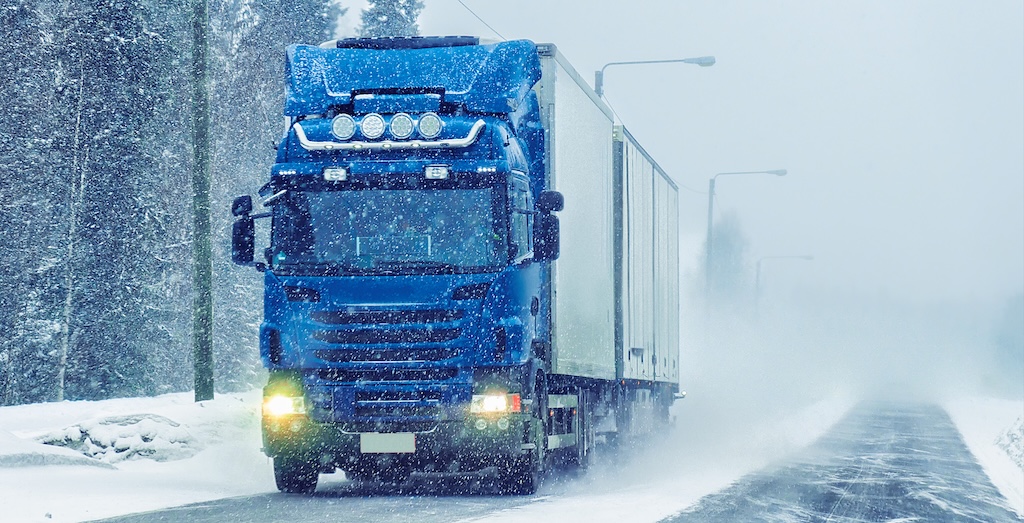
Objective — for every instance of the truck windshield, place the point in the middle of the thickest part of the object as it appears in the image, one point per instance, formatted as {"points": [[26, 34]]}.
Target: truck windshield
{"points": [[388, 231]]}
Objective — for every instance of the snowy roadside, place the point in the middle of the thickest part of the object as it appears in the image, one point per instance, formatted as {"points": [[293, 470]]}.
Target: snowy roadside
{"points": [[994, 432], [45, 483]]}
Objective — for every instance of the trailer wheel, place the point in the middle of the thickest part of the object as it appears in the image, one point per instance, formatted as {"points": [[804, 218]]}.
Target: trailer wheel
{"points": [[295, 475], [584, 438]]}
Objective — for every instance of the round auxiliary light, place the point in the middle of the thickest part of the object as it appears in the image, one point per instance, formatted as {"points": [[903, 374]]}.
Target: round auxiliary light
{"points": [[401, 126], [372, 126], [430, 125], [343, 127]]}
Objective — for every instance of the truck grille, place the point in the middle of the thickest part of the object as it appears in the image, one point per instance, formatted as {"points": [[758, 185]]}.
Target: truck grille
{"points": [[386, 355], [379, 336], [397, 403], [386, 374], [385, 317]]}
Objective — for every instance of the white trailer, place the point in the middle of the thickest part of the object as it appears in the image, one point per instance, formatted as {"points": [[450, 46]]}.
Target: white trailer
{"points": [[615, 286]]}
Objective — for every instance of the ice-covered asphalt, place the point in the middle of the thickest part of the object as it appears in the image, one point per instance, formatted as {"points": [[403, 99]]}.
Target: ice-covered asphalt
{"points": [[883, 462], [341, 502]]}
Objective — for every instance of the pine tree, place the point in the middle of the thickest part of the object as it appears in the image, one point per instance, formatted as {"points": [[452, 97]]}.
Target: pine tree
{"points": [[391, 18], [729, 277], [248, 94], [95, 288]]}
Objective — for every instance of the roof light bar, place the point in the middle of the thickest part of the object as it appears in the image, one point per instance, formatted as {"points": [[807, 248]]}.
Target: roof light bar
{"points": [[451, 143]]}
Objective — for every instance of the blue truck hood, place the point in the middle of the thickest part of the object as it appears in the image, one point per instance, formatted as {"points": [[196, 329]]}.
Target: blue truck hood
{"points": [[493, 79]]}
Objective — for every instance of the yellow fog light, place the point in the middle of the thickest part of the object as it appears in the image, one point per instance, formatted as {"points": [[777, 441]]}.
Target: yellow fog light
{"points": [[277, 406]]}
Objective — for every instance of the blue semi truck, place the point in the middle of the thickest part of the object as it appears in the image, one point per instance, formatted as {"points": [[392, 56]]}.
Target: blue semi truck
{"points": [[471, 269]]}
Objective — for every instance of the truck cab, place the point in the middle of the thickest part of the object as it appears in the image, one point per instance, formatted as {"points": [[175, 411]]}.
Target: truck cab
{"points": [[405, 312]]}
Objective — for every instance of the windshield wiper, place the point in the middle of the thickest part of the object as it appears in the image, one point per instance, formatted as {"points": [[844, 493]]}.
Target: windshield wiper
{"points": [[418, 264], [312, 268]]}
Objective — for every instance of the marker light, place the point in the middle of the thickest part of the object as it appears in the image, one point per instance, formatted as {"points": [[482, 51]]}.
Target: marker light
{"points": [[372, 126], [278, 405], [495, 403], [335, 174], [343, 127], [430, 125], [401, 126], [436, 172]]}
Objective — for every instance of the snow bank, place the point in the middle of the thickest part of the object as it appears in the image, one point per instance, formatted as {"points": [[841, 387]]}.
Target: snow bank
{"points": [[135, 436], [1012, 442], [148, 453], [993, 429], [17, 452]]}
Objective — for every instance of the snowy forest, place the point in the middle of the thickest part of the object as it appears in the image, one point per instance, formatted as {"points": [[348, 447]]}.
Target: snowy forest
{"points": [[95, 184]]}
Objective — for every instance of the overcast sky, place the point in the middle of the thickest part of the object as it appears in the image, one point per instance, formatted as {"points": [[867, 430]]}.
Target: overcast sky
{"points": [[901, 124]]}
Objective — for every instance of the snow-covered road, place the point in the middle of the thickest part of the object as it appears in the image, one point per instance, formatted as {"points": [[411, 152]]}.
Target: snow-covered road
{"points": [[883, 462]]}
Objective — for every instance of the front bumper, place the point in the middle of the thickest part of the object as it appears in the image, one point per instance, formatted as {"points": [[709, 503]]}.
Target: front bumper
{"points": [[469, 444]]}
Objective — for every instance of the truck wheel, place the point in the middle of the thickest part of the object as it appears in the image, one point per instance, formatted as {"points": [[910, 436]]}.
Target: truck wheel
{"points": [[294, 475], [520, 477]]}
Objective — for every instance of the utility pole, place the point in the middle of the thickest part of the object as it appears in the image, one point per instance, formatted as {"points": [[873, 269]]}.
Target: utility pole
{"points": [[202, 304]]}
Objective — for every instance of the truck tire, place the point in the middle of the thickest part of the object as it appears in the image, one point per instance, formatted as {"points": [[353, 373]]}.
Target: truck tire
{"points": [[295, 475], [584, 441], [520, 477]]}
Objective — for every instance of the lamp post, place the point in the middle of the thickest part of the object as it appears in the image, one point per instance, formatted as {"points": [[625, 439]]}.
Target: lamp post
{"points": [[710, 237], [703, 61], [757, 272]]}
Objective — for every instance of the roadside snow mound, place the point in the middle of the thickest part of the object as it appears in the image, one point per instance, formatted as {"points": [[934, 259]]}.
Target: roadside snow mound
{"points": [[119, 438], [1012, 442], [17, 452]]}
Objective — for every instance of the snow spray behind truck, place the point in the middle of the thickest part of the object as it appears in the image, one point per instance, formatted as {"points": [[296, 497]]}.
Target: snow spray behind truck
{"points": [[471, 269]]}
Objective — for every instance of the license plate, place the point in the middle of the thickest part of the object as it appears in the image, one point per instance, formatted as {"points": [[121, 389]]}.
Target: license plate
{"points": [[387, 443]]}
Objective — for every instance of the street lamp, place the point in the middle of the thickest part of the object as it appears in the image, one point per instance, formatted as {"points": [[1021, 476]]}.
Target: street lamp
{"points": [[710, 237], [757, 272], [703, 61]]}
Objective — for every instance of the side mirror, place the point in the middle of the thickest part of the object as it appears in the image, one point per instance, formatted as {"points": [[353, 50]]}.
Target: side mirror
{"points": [[545, 237], [241, 206], [243, 240], [550, 201]]}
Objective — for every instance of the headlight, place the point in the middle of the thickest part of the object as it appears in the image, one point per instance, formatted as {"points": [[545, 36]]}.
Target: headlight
{"points": [[495, 403], [430, 125], [372, 126], [277, 406], [401, 126], [343, 127]]}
